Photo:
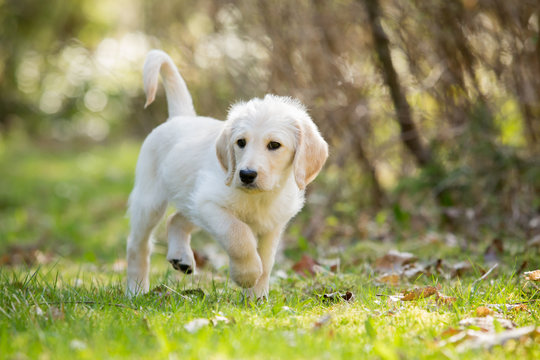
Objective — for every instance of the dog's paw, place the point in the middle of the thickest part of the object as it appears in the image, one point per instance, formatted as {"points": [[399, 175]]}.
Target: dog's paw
{"points": [[259, 292], [246, 273], [185, 268]]}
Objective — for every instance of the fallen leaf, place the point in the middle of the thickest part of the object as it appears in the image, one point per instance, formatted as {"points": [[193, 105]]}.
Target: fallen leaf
{"points": [[450, 332], [306, 266], [195, 325], [415, 270], [487, 323], [393, 261], [483, 311], [445, 300], [488, 340], [28, 255], [532, 275], [419, 293], [508, 307]]}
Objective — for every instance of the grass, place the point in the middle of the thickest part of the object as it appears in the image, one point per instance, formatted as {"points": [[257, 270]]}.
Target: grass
{"points": [[71, 203]]}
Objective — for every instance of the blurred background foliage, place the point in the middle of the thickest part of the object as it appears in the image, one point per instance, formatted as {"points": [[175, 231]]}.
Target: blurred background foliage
{"points": [[431, 108]]}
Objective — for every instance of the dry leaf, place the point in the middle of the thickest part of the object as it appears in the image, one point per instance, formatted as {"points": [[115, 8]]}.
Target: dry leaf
{"points": [[532, 275], [487, 323], [413, 271], [488, 340], [445, 300], [483, 311], [450, 332], [306, 266], [419, 293], [394, 261], [25, 255], [508, 307]]}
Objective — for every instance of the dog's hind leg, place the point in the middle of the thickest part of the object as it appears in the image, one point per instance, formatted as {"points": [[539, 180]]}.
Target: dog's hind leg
{"points": [[144, 217], [179, 253]]}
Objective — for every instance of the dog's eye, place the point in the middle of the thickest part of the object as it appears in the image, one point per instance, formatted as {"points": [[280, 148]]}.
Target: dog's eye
{"points": [[273, 145], [241, 143]]}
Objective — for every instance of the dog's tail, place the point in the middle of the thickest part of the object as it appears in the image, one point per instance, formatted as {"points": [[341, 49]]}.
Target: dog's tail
{"points": [[178, 98]]}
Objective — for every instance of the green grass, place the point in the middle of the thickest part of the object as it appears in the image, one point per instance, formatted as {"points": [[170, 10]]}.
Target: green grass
{"points": [[71, 203]]}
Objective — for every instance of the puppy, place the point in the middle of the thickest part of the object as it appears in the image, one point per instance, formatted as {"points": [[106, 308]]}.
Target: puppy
{"points": [[241, 180]]}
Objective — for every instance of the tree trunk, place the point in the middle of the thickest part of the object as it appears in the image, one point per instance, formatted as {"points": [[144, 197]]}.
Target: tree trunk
{"points": [[409, 133]]}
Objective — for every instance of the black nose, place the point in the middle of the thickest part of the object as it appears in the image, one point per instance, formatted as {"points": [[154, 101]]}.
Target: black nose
{"points": [[248, 176]]}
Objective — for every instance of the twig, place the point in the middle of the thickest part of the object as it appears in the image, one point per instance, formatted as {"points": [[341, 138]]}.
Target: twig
{"points": [[483, 277], [88, 303]]}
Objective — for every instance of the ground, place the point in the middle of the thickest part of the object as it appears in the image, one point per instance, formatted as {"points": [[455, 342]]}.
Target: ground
{"points": [[63, 232]]}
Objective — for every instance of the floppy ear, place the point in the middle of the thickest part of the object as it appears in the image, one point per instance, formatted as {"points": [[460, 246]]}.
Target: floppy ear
{"points": [[225, 154], [311, 153]]}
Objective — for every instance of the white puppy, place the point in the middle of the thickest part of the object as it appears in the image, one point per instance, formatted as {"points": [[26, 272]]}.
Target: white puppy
{"points": [[241, 180]]}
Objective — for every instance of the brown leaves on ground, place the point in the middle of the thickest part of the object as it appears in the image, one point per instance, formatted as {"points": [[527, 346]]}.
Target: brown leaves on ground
{"points": [[422, 293], [532, 275], [419, 293], [483, 311], [394, 261], [28, 255], [308, 266], [486, 331], [398, 267]]}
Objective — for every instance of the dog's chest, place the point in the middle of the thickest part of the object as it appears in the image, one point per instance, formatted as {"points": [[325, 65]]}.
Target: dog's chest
{"points": [[265, 215]]}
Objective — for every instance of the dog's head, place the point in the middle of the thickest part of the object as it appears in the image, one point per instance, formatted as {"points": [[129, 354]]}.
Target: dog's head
{"points": [[265, 139]]}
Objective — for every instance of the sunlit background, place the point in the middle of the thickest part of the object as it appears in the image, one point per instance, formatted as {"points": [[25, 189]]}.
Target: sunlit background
{"points": [[431, 108]]}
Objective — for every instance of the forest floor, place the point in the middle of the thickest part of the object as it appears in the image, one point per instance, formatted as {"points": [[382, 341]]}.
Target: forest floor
{"points": [[62, 270]]}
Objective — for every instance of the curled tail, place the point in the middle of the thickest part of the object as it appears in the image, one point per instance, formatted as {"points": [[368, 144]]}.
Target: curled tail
{"points": [[178, 98]]}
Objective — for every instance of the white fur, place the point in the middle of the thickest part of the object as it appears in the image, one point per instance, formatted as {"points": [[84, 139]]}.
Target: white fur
{"points": [[193, 163]]}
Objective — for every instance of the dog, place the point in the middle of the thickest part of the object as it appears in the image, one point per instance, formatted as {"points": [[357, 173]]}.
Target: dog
{"points": [[241, 180]]}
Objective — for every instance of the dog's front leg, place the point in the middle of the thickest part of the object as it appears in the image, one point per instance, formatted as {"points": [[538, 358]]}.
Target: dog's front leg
{"points": [[238, 241], [179, 253], [267, 248]]}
